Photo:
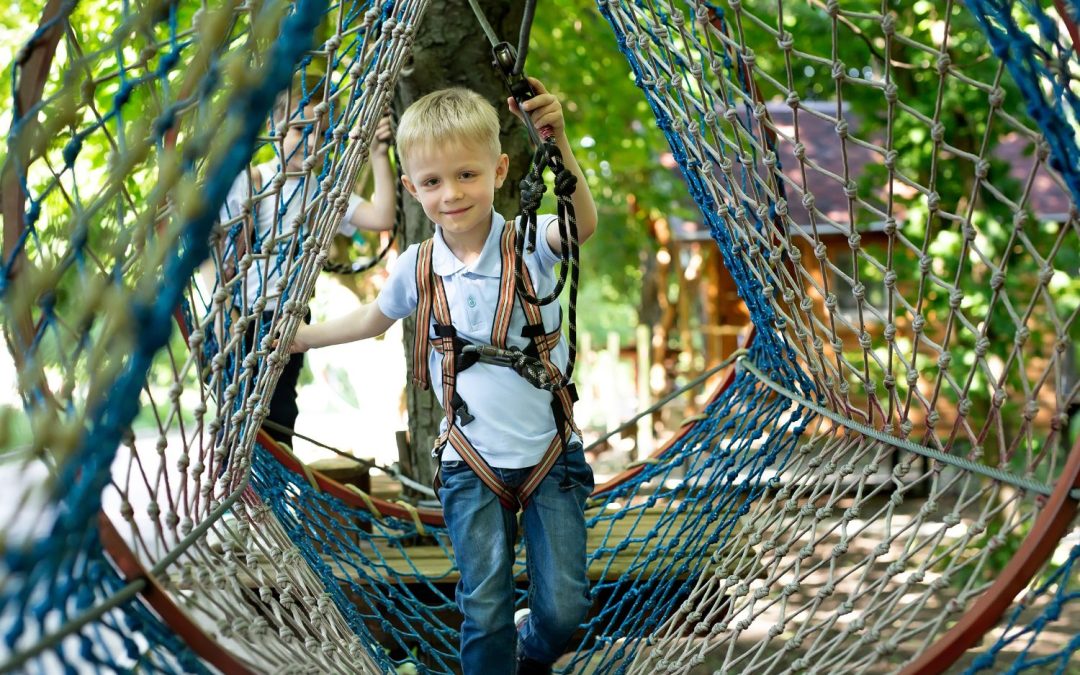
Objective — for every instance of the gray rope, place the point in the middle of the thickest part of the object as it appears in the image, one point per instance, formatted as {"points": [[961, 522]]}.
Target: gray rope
{"points": [[738, 353], [367, 464], [484, 25], [523, 36], [990, 472]]}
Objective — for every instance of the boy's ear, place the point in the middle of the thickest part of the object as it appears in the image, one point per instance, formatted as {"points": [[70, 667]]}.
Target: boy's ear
{"points": [[408, 185], [501, 169]]}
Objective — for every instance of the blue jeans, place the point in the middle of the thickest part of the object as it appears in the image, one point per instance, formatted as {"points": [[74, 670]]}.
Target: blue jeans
{"points": [[483, 534]]}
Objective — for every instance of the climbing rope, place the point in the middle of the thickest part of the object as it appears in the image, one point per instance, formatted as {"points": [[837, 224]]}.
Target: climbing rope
{"points": [[510, 64]]}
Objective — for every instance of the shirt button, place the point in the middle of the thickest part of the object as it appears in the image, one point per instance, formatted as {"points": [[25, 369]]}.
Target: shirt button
{"points": [[471, 302]]}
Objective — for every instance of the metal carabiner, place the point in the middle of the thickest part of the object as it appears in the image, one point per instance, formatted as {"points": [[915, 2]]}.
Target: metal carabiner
{"points": [[505, 56]]}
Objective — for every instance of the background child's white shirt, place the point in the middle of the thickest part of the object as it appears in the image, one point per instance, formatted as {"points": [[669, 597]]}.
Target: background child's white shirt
{"points": [[513, 422], [276, 217]]}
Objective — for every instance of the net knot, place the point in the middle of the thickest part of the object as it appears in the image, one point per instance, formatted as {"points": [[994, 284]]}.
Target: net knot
{"points": [[888, 24], [886, 648], [917, 325], [942, 64], [964, 407], [1046, 274], [998, 398], [1021, 336], [1031, 409]]}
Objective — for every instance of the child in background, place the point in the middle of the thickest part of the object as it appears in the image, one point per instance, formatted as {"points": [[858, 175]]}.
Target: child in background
{"points": [[269, 223]]}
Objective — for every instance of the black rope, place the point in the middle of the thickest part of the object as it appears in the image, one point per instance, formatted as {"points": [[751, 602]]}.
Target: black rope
{"points": [[532, 185], [532, 192]]}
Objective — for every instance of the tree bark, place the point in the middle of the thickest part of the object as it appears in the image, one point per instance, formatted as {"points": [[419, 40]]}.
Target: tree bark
{"points": [[450, 49]]}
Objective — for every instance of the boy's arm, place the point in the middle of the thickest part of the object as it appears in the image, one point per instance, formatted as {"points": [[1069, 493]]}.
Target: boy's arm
{"points": [[379, 213], [366, 321], [546, 111]]}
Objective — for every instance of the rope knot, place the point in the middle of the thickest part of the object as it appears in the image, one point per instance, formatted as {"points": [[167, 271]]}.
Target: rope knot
{"points": [[565, 183], [532, 192]]}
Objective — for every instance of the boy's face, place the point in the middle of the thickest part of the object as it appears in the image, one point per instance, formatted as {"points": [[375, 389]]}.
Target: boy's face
{"points": [[298, 145], [456, 183]]}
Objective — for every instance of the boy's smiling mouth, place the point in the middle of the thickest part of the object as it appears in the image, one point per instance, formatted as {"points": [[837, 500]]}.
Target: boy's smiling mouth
{"points": [[456, 212]]}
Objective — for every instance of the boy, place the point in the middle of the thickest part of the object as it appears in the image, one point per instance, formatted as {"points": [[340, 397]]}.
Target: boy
{"points": [[505, 427], [274, 218]]}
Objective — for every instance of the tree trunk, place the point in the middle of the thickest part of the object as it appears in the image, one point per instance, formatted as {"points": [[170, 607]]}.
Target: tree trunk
{"points": [[451, 50]]}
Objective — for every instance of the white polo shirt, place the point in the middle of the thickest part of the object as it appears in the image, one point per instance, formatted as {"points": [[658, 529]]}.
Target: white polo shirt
{"points": [[275, 217], [513, 423]]}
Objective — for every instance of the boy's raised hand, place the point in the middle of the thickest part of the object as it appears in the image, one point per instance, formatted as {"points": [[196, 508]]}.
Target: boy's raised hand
{"points": [[384, 136], [544, 109]]}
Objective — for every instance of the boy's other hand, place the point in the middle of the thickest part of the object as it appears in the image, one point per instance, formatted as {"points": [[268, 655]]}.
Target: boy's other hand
{"points": [[384, 136], [299, 343], [544, 109]]}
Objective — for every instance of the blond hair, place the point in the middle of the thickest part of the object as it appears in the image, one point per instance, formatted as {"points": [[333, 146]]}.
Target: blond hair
{"points": [[448, 115], [309, 80]]}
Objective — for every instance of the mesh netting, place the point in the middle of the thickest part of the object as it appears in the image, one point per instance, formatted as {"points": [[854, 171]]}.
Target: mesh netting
{"points": [[893, 190]]}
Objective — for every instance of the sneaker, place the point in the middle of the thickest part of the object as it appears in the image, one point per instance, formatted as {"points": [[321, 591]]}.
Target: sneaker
{"points": [[527, 666], [521, 617]]}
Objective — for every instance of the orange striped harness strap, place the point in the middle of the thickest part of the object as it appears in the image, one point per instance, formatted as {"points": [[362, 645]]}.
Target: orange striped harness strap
{"points": [[432, 303]]}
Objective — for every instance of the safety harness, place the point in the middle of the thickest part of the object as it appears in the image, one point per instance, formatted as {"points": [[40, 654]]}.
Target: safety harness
{"points": [[532, 363]]}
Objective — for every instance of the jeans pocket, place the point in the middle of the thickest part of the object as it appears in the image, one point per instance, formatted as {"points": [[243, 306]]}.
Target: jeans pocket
{"points": [[577, 472], [452, 466]]}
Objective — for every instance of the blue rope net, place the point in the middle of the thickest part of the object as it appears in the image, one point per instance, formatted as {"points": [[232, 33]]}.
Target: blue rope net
{"points": [[852, 490], [649, 538]]}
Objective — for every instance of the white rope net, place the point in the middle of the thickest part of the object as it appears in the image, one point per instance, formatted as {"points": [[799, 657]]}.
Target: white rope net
{"points": [[165, 90], [883, 199]]}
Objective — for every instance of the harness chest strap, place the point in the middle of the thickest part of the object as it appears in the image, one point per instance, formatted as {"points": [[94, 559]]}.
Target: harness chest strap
{"points": [[431, 302]]}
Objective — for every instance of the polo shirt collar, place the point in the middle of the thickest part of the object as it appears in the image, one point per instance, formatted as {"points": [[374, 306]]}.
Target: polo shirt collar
{"points": [[489, 264]]}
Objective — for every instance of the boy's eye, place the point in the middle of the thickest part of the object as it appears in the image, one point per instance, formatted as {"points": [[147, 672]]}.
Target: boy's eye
{"points": [[431, 182], [468, 174]]}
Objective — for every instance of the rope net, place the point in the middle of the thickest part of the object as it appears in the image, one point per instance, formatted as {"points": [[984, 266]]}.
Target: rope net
{"points": [[877, 179], [928, 306], [181, 97]]}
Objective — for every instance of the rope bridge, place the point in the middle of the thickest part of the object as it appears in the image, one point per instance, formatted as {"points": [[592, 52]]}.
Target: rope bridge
{"points": [[884, 478]]}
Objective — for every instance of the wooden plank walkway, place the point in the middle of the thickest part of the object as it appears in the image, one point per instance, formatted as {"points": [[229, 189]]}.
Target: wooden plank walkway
{"points": [[627, 542]]}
